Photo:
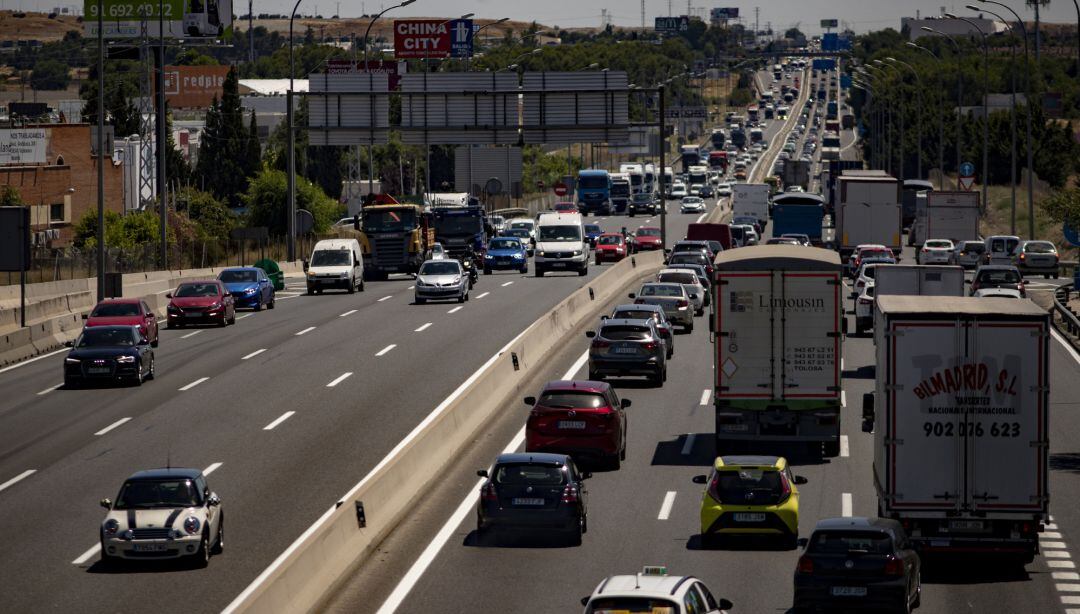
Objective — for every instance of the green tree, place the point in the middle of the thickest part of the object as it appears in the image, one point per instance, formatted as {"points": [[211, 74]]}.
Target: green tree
{"points": [[128, 232], [50, 75], [266, 202], [211, 217], [10, 197], [226, 153], [1064, 206]]}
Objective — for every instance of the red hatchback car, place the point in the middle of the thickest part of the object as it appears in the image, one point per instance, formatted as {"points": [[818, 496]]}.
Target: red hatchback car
{"points": [[200, 302], [565, 207], [125, 312], [580, 418], [611, 247], [647, 238]]}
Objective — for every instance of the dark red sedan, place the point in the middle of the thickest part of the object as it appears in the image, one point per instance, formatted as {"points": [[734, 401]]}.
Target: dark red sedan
{"points": [[611, 247], [200, 302], [583, 419], [647, 238], [125, 312], [565, 207]]}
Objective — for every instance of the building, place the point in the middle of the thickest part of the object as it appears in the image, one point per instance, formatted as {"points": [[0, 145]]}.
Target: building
{"points": [[54, 169], [952, 27]]}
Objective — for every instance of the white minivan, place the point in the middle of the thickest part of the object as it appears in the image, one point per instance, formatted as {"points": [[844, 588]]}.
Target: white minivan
{"points": [[335, 263], [561, 244]]}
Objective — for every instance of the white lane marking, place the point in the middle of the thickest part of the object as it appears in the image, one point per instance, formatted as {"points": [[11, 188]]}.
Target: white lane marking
{"points": [[86, 556], [253, 354], [385, 298], [700, 217], [705, 396], [845, 505], [191, 334], [194, 383], [49, 389], [246, 315], [845, 449], [1052, 545], [16, 479], [1065, 575], [1057, 554], [688, 444], [285, 298], [1070, 599], [410, 287], [455, 309], [337, 380], [112, 426], [464, 509], [347, 313], [1050, 526], [212, 468], [386, 349], [483, 295], [34, 359], [306, 330], [665, 507], [507, 284], [1050, 535], [1061, 564], [843, 395], [841, 367], [423, 328], [282, 418]]}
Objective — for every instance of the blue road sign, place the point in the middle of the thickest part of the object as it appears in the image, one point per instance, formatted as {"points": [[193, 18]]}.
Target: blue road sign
{"points": [[824, 64], [461, 38], [967, 169], [1071, 235], [830, 41]]}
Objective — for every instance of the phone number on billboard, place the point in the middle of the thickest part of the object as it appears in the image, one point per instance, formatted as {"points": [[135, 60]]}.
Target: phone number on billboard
{"points": [[133, 10]]}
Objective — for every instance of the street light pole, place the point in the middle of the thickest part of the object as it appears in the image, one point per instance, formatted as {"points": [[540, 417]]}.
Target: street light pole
{"points": [[959, 100], [940, 115], [1012, 116], [290, 214], [101, 152], [986, 107], [900, 111], [918, 115], [476, 34]]}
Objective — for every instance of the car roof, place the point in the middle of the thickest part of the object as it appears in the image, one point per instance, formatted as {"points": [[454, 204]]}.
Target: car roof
{"points": [[240, 268], [643, 586], [119, 301], [187, 282], [441, 260], [626, 322], [676, 270], [857, 523], [113, 327], [532, 457], [583, 385], [611, 234], [166, 473], [750, 460], [768, 257], [638, 307]]}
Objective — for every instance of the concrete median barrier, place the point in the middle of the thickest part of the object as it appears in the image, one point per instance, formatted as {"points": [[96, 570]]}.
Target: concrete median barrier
{"points": [[347, 533]]}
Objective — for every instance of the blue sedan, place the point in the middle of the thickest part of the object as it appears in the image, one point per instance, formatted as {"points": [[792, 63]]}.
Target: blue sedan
{"points": [[592, 232], [249, 286], [506, 253]]}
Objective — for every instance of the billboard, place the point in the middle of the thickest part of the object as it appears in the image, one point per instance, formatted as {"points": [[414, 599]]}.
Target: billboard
{"points": [[824, 64], [830, 23], [24, 146], [181, 19], [724, 13], [433, 38], [392, 68], [194, 87], [672, 24]]}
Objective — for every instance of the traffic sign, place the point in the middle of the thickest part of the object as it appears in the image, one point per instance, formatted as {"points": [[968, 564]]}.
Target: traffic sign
{"points": [[672, 24], [966, 183], [967, 169], [433, 38], [561, 189], [1071, 235]]}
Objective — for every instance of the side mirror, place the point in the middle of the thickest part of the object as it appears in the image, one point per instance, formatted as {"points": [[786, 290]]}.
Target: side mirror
{"points": [[482, 473], [700, 479], [800, 480], [213, 501], [625, 403], [584, 601], [168, 295], [967, 281], [632, 295], [803, 542], [106, 503], [590, 334], [305, 264], [844, 326], [85, 316], [530, 400], [726, 604], [69, 344], [602, 318]]}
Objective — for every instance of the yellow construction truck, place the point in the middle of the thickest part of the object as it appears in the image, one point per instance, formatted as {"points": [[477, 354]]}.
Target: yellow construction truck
{"points": [[394, 237]]}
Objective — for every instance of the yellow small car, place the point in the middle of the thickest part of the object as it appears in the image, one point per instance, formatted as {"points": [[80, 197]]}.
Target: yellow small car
{"points": [[750, 495]]}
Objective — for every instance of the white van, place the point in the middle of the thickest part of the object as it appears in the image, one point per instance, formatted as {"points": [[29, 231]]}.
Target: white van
{"points": [[561, 244], [335, 263], [1000, 248]]}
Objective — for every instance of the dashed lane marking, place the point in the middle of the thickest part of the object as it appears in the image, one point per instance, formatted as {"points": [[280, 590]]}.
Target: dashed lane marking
{"points": [[337, 380], [705, 396], [455, 309], [305, 331], [386, 349], [385, 298], [507, 284], [191, 334], [423, 328], [347, 313], [49, 389], [193, 384], [845, 448], [483, 295], [665, 507], [845, 505], [119, 422], [22, 476], [254, 354], [282, 418]]}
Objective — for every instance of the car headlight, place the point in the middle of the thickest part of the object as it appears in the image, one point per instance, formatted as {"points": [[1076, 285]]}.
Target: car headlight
{"points": [[214, 307], [577, 252], [519, 256], [541, 254], [250, 291], [125, 359], [110, 527], [72, 361], [172, 307], [457, 280], [191, 525], [310, 274]]}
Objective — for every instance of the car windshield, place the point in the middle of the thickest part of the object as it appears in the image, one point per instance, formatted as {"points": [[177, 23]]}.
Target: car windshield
{"points": [[567, 233], [648, 232], [738, 233], [747, 487], [940, 244], [525, 475], [848, 542], [974, 248], [688, 258], [678, 278], [115, 310], [505, 244], [442, 267], [571, 399], [877, 253], [593, 182], [625, 333], [593, 229], [106, 337], [186, 290], [527, 225], [1001, 276], [609, 240], [634, 314], [632, 605], [1041, 247], [642, 198], [521, 233], [393, 220], [661, 290], [137, 494], [331, 257], [458, 225], [232, 277]]}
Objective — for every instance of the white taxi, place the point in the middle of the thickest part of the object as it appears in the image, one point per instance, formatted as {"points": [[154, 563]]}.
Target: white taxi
{"points": [[653, 591]]}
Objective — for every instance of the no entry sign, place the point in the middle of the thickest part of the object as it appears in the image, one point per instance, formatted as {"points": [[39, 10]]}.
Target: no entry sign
{"points": [[561, 189], [433, 38]]}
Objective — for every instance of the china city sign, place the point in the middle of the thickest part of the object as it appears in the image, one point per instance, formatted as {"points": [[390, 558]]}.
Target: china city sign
{"points": [[433, 38], [172, 19]]}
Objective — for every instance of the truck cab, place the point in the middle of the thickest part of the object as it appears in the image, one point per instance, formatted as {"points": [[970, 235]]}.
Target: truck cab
{"points": [[620, 192], [594, 192], [394, 238], [461, 230]]}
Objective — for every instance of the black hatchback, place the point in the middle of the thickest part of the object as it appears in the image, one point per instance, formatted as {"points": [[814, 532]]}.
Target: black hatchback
{"points": [[535, 491], [860, 563]]}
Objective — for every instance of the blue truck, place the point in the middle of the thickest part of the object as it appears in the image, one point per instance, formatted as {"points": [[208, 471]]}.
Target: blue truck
{"points": [[798, 213], [460, 228], [594, 191]]}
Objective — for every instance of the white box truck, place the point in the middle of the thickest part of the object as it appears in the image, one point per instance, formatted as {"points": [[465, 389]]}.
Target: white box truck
{"points": [[751, 199], [868, 211], [778, 323], [910, 280], [959, 416], [945, 215]]}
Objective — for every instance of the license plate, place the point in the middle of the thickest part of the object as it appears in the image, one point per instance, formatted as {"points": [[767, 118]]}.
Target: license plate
{"points": [[966, 525], [571, 424], [849, 591], [98, 370], [735, 428], [149, 547], [192, 315], [629, 350], [558, 264], [749, 517], [528, 501]]}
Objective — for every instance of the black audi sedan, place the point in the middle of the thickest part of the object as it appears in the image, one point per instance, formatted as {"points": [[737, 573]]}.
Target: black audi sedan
{"points": [[109, 354]]}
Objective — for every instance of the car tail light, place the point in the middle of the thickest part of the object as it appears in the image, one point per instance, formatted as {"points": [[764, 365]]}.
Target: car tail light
{"points": [[1023, 256], [570, 494], [487, 493], [894, 567], [806, 565], [649, 345], [924, 250], [599, 343], [713, 484], [683, 303]]}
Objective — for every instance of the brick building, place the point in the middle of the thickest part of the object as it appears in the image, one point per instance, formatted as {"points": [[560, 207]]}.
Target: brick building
{"points": [[57, 178]]}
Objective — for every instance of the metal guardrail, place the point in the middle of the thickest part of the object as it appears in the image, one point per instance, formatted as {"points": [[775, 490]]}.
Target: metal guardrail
{"points": [[1069, 319]]}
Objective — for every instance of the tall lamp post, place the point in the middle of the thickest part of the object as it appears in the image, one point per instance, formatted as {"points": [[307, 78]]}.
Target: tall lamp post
{"points": [[959, 99], [986, 105], [941, 116], [1027, 114], [900, 111], [476, 34], [881, 78], [290, 155], [100, 152], [871, 102], [918, 114]]}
